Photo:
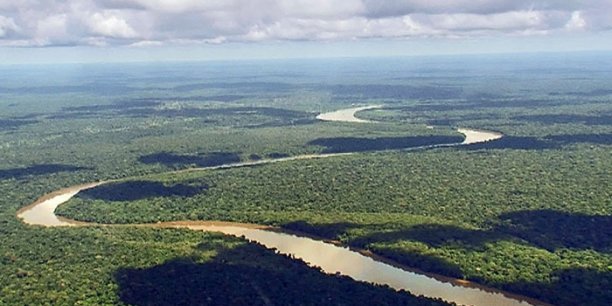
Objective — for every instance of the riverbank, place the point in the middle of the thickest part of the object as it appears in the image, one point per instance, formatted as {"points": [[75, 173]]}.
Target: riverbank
{"points": [[361, 266]]}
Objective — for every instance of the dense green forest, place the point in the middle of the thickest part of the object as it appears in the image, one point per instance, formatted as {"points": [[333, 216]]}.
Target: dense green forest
{"points": [[530, 213], [500, 219]]}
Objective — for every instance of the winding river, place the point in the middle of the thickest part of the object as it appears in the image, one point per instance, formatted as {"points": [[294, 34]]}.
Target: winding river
{"points": [[347, 114], [358, 264]]}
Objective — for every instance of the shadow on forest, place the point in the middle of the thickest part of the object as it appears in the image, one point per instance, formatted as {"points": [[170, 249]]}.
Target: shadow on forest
{"points": [[98, 88], [248, 275], [277, 155], [552, 230], [143, 108], [196, 98], [192, 112], [225, 98], [514, 142], [138, 190], [373, 91], [103, 110], [322, 230], [455, 120], [583, 138], [117, 106], [436, 235], [19, 173], [277, 123], [548, 229], [567, 118], [243, 86], [592, 93], [570, 287], [12, 124], [181, 161], [354, 144], [534, 143], [481, 101]]}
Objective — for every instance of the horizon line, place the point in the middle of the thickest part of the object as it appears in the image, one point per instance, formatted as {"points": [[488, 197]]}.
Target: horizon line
{"points": [[314, 58]]}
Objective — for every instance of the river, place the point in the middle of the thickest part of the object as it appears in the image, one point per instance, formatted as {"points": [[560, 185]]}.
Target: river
{"points": [[358, 264]]}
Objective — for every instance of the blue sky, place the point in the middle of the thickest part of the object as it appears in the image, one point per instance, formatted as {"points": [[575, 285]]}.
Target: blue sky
{"points": [[47, 31]]}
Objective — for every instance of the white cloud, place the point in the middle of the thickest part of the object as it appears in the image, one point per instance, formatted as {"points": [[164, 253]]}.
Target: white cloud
{"points": [[146, 43], [321, 9], [515, 20], [216, 40], [110, 26], [379, 8], [7, 25], [143, 23], [52, 28], [346, 29], [576, 22], [177, 6], [95, 41]]}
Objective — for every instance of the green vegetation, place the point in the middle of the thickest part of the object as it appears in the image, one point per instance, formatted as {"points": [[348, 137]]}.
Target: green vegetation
{"points": [[98, 266], [496, 217], [530, 213]]}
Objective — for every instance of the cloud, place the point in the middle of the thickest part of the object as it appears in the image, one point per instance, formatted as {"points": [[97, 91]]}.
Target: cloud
{"points": [[52, 29], [376, 8], [146, 43], [506, 21], [110, 26], [147, 23], [576, 22], [7, 26], [352, 28]]}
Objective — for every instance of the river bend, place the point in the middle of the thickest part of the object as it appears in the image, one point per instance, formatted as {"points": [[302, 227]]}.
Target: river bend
{"points": [[358, 264]]}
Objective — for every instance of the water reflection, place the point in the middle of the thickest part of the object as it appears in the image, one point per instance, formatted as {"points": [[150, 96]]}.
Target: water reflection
{"points": [[334, 259]]}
